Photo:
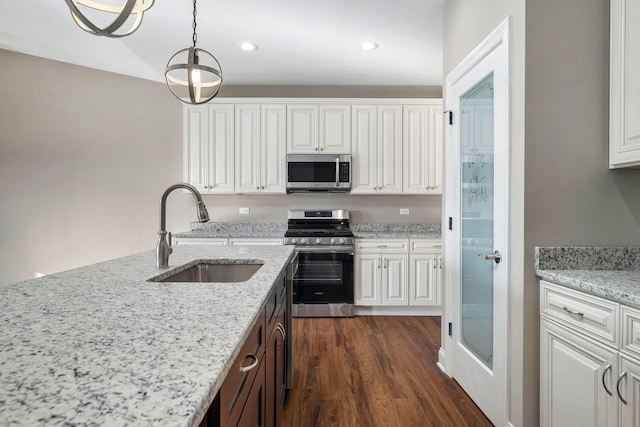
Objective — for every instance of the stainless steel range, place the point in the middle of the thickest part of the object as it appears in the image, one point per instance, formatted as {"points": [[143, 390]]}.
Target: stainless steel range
{"points": [[323, 282]]}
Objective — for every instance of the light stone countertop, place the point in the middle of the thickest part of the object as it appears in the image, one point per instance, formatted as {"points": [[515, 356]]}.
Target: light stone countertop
{"points": [[609, 272], [100, 345], [277, 230]]}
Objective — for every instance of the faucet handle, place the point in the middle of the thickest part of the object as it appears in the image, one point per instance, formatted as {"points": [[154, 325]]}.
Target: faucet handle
{"points": [[169, 239]]}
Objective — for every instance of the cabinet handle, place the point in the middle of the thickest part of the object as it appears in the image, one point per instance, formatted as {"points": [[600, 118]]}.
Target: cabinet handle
{"points": [[604, 373], [624, 374], [575, 313], [386, 263], [440, 263], [378, 263], [250, 367], [280, 328], [382, 246]]}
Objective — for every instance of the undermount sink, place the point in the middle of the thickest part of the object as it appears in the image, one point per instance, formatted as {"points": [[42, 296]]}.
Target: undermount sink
{"points": [[213, 271]]}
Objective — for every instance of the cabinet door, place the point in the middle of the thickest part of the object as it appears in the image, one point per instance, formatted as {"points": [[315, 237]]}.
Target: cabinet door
{"points": [[394, 279], [416, 149], [248, 148], [253, 413], [273, 155], [576, 377], [196, 164], [220, 148], [364, 154], [389, 149], [335, 129], [367, 279], [424, 272], [629, 391], [302, 129], [624, 94]]}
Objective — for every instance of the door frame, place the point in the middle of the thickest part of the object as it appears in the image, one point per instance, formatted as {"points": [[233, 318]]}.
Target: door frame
{"points": [[451, 313]]}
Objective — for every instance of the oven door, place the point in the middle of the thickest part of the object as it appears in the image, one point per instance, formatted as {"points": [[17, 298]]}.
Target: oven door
{"points": [[324, 275]]}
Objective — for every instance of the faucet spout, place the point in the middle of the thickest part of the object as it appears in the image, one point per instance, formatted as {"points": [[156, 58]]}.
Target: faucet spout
{"points": [[164, 249]]}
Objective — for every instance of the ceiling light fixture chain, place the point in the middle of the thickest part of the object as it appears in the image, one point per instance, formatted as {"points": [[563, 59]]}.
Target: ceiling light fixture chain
{"points": [[195, 35]]}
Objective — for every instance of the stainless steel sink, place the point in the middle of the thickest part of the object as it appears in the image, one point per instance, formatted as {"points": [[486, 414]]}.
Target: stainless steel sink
{"points": [[213, 271]]}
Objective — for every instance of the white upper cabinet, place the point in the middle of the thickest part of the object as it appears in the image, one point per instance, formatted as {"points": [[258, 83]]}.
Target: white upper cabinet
{"points": [[376, 149], [239, 145], [624, 87], [422, 149], [260, 148], [208, 147], [318, 128]]}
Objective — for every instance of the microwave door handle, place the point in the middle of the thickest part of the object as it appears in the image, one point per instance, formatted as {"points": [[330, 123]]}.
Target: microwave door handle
{"points": [[337, 172]]}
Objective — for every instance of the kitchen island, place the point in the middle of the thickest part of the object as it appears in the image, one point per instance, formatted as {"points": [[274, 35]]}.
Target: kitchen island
{"points": [[101, 345]]}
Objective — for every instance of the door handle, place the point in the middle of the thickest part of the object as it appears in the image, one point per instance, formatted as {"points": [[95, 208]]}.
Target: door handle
{"points": [[496, 256]]}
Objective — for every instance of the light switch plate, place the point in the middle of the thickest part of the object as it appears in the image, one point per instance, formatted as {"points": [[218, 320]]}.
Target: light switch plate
{"points": [[243, 211], [404, 211]]}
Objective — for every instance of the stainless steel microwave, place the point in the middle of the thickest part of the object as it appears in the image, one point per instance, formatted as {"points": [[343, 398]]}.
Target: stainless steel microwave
{"points": [[318, 172]]}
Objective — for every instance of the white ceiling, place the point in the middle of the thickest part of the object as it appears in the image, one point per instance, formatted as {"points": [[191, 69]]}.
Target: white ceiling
{"points": [[301, 42]]}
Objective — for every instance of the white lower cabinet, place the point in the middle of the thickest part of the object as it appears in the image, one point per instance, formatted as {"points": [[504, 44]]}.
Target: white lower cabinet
{"points": [[215, 241], [224, 241], [388, 273], [575, 376], [260, 241], [589, 364]]}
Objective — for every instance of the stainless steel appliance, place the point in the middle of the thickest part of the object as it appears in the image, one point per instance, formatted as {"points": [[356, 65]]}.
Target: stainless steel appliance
{"points": [[318, 172], [323, 281]]}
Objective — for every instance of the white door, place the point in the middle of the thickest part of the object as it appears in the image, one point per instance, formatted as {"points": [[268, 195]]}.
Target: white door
{"points": [[477, 257]]}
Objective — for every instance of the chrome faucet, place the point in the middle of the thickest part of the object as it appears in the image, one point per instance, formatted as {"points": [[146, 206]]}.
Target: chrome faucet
{"points": [[164, 249]]}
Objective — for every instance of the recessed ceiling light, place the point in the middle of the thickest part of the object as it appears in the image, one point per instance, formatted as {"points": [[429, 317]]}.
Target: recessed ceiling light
{"points": [[248, 46], [368, 46]]}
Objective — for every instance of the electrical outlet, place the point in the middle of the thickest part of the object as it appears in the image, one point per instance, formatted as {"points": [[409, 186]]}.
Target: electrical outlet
{"points": [[404, 211], [243, 211]]}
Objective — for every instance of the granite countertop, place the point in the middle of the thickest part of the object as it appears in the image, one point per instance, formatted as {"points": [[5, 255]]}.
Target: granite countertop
{"points": [[609, 272], [277, 230], [100, 345], [397, 231]]}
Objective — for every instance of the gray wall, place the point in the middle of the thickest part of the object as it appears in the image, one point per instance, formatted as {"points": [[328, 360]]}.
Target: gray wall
{"points": [[85, 156], [559, 152]]}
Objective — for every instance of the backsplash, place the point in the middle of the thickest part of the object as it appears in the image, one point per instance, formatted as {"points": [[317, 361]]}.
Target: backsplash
{"points": [[396, 228]]}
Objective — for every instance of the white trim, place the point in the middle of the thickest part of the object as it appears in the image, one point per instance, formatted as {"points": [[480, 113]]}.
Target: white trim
{"points": [[498, 38], [441, 363]]}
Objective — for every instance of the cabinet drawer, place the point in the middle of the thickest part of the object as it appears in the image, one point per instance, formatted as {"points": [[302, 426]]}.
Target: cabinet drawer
{"points": [[595, 316], [631, 330], [382, 246], [274, 302], [425, 246], [237, 384]]}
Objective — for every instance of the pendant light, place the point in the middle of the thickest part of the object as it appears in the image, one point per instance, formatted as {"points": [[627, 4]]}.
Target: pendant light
{"points": [[193, 75], [131, 11]]}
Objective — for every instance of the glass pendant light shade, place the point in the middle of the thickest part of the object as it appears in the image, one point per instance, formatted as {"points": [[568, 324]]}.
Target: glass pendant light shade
{"points": [[193, 75], [108, 17]]}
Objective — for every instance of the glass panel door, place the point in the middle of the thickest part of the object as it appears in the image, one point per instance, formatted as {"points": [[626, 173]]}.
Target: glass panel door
{"points": [[477, 220]]}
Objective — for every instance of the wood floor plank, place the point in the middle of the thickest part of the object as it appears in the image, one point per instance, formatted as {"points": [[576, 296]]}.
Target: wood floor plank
{"points": [[372, 371]]}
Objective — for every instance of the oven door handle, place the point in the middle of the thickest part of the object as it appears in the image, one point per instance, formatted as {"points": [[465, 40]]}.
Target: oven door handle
{"points": [[327, 249]]}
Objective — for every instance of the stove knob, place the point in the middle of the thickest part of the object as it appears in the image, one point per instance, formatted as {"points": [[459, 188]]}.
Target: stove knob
{"points": [[303, 241], [318, 240], [333, 241], [342, 241], [294, 240]]}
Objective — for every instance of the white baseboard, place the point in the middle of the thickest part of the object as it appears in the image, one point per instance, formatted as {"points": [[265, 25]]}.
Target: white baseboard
{"points": [[397, 311], [442, 360]]}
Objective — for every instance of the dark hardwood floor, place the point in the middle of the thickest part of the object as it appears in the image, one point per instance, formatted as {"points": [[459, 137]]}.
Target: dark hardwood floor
{"points": [[373, 371]]}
